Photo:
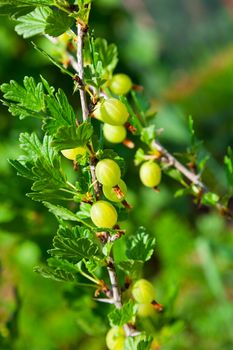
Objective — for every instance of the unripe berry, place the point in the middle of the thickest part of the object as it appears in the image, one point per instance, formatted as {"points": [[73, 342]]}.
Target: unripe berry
{"points": [[120, 84], [108, 172], [150, 174], [112, 111], [145, 310], [73, 152], [143, 291], [114, 133], [111, 193], [103, 214], [114, 338]]}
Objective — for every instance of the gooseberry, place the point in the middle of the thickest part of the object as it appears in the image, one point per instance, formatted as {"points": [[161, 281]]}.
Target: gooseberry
{"points": [[143, 291], [114, 133], [120, 84], [103, 214], [111, 111], [145, 310], [114, 338], [150, 174], [108, 172], [111, 192]]}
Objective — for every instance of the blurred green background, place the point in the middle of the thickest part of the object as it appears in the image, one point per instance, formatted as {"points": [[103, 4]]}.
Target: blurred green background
{"points": [[182, 53]]}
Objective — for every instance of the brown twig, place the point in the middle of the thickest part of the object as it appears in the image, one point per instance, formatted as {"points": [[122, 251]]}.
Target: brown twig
{"points": [[172, 161]]}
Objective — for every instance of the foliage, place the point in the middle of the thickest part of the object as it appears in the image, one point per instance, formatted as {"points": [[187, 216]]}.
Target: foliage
{"points": [[81, 254]]}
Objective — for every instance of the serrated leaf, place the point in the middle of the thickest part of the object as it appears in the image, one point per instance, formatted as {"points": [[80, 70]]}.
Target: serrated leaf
{"points": [[57, 22], [61, 212], [140, 342], [60, 113], [84, 212], [148, 134], [55, 274], [73, 249], [62, 265], [72, 136], [33, 23], [139, 156], [140, 246], [25, 100], [107, 54], [132, 268], [41, 164], [119, 317], [17, 7], [22, 169]]}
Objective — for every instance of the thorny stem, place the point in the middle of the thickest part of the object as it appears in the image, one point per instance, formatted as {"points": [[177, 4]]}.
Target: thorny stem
{"points": [[172, 161], [116, 292], [192, 177], [83, 97]]}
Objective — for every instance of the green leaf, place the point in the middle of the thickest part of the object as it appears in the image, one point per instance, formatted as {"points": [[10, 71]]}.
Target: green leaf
{"points": [[148, 134], [210, 198], [55, 274], [72, 136], [139, 156], [57, 23], [62, 265], [15, 7], [41, 163], [132, 268], [73, 249], [141, 246], [133, 118], [22, 169], [140, 342], [33, 23], [61, 212], [31, 146], [84, 212], [51, 59], [119, 317], [228, 162], [107, 54], [60, 113], [27, 100]]}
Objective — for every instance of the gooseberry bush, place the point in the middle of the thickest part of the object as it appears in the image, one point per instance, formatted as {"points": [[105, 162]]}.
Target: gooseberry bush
{"points": [[90, 210]]}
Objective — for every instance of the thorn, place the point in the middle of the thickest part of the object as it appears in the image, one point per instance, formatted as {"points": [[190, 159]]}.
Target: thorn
{"points": [[104, 300]]}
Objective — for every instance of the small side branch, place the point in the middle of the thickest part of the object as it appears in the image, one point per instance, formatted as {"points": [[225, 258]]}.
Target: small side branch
{"points": [[171, 160]]}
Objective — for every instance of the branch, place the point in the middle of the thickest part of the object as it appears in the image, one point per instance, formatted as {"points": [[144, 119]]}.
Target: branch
{"points": [[171, 160], [83, 97], [116, 292], [192, 177]]}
